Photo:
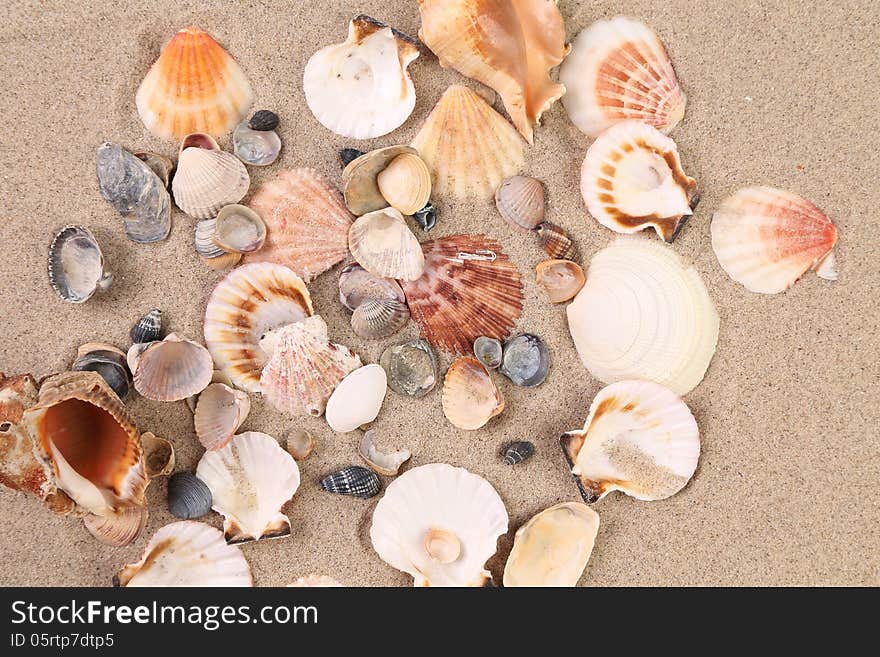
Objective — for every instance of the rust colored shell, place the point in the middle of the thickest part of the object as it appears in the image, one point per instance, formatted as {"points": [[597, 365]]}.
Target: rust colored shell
{"points": [[556, 242]]}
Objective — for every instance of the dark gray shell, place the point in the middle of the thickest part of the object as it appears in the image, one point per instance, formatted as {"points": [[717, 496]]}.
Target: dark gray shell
{"points": [[76, 265], [488, 351], [517, 452], [148, 328], [263, 120], [411, 367], [526, 360], [110, 365], [348, 155], [188, 496], [353, 480], [426, 217]]}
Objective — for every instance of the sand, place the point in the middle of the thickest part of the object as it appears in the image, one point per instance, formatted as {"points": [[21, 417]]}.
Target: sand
{"points": [[778, 93]]}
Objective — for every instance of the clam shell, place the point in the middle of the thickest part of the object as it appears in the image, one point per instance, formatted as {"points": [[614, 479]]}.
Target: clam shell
{"points": [[188, 496], [206, 246], [375, 319], [109, 362], [76, 265], [300, 444], [357, 285], [556, 242], [258, 148], [220, 411], [405, 183], [526, 360], [159, 458], [385, 463], [561, 279], [411, 367], [239, 229], [159, 164], [488, 351], [354, 481], [148, 328], [382, 244], [470, 398], [517, 452], [357, 399], [206, 180], [173, 369], [117, 529], [360, 185], [520, 201]]}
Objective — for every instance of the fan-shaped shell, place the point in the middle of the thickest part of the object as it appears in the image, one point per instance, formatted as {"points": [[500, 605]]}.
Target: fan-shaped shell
{"points": [[207, 179], [766, 239], [618, 70], [405, 183], [172, 369], [357, 286], [449, 507], [252, 300], [383, 244], [520, 201], [639, 438], [194, 86], [632, 178], [220, 411], [117, 529], [470, 398], [375, 319], [468, 146], [561, 279], [76, 265], [250, 479]]}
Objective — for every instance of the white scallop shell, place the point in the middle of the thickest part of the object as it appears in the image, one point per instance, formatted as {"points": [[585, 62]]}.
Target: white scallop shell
{"points": [[383, 244], [206, 180]]}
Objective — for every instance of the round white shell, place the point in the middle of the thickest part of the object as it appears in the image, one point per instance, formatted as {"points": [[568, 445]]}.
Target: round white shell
{"points": [[208, 179], [357, 399]]}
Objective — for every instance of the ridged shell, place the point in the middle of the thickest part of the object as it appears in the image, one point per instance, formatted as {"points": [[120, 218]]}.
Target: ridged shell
{"points": [[300, 444], [459, 299], [520, 201], [405, 183], [617, 70], [188, 496], [357, 286], [252, 300], [383, 244], [375, 319], [518, 451], [173, 369], [194, 86], [206, 180], [206, 246], [556, 242], [438, 499], [766, 239], [561, 279], [220, 411], [225, 261], [357, 399], [239, 229], [117, 529], [307, 221], [148, 328], [470, 398], [354, 481], [76, 265], [468, 146], [632, 178]]}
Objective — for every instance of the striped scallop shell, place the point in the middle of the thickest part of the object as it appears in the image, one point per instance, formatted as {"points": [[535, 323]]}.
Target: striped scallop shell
{"points": [[172, 369], [375, 319], [383, 244], [206, 180]]}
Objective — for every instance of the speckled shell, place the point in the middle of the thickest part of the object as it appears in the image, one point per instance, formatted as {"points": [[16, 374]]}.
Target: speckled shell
{"points": [[206, 180], [354, 480]]}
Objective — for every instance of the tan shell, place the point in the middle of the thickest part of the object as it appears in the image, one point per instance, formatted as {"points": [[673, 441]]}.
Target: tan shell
{"points": [[207, 178], [117, 529], [405, 183], [383, 244], [470, 398], [225, 261], [561, 279], [172, 369], [220, 411], [556, 242], [239, 229], [300, 444], [360, 185], [159, 458], [520, 201]]}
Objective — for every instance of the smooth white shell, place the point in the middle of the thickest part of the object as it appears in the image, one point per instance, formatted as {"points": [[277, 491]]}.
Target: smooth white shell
{"points": [[357, 399]]}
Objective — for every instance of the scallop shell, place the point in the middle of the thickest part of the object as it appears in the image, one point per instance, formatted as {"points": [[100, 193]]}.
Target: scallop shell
{"points": [[561, 279], [354, 481], [117, 529], [173, 369], [307, 220], [76, 265], [357, 399], [220, 411], [360, 177], [618, 69], [239, 229], [383, 244], [470, 398], [632, 178], [148, 328], [509, 46], [520, 201], [194, 86], [305, 367], [375, 319], [188, 496], [250, 479], [109, 362], [385, 463], [187, 553], [405, 183], [357, 286], [556, 242], [469, 289], [440, 524], [766, 239], [639, 438], [207, 179], [469, 147], [361, 88], [252, 300]]}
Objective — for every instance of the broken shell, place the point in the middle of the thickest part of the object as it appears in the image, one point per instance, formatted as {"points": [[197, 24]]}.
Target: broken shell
{"points": [[148, 328], [109, 362], [207, 178], [188, 496], [517, 452], [488, 351], [361, 88], [385, 463], [526, 360], [225, 261], [553, 548], [250, 479], [357, 399], [159, 458], [382, 244], [426, 217], [159, 164], [263, 120], [300, 444], [239, 229], [117, 529], [315, 581], [348, 155], [76, 265], [561, 279], [187, 553], [639, 438], [172, 369], [470, 398], [555, 242], [206, 246], [632, 178], [375, 319], [259, 148], [520, 201], [220, 411], [357, 285], [415, 530], [405, 183], [411, 367], [360, 185], [354, 481], [216, 377], [134, 352]]}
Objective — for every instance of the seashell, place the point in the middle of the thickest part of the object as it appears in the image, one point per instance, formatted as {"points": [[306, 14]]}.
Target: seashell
{"points": [[315, 581], [555, 242], [216, 377], [134, 353], [172, 369], [347, 155], [187, 553], [148, 328], [632, 178], [109, 362], [360, 178], [561, 279], [405, 183], [250, 479], [353, 480], [194, 86], [357, 286], [206, 246], [207, 178], [361, 88], [385, 463], [426, 217], [517, 452], [136, 192], [520, 201], [468, 147], [766, 239], [526, 360], [440, 524], [382, 244], [639, 438], [644, 314], [553, 548], [307, 221], [159, 458], [357, 399], [488, 351], [305, 367], [375, 319], [225, 261], [159, 164], [220, 411], [469, 289], [76, 265], [470, 398], [250, 301], [263, 120], [239, 229], [508, 46], [188, 496], [618, 70], [411, 367], [259, 148], [117, 529], [300, 444]]}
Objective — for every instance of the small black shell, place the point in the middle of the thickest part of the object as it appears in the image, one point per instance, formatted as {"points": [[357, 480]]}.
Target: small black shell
{"points": [[517, 452], [188, 496], [347, 155], [426, 217], [353, 480], [263, 120], [148, 328]]}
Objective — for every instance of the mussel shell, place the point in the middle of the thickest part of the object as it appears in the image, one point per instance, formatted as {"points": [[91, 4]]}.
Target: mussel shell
{"points": [[238, 229], [347, 155], [263, 120], [76, 265], [526, 360], [411, 367], [188, 496], [488, 351], [148, 328], [255, 147], [518, 451], [426, 217], [379, 318], [556, 242], [353, 480], [109, 363]]}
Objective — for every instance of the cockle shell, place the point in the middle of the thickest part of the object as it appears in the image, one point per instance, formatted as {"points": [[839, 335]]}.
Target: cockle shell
{"points": [[383, 244], [470, 398], [639, 438], [239, 229], [220, 411], [354, 481], [411, 367], [76, 265], [194, 86], [468, 146], [520, 202], [386, 463], [361, 88], [375, 319], [360, 177], [405, 183], [509, 46], [109, 362], [561, 279], [632, 178], [357, 286], [766, 239], [618, 70], [440, 524], [555, 241], [207, 178], [117, 529], [357, 399], [148, 328], [172, 369], [188, 496]]}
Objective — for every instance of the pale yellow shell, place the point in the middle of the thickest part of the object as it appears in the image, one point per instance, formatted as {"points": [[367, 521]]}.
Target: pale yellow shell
{"points": [[405, 183]]}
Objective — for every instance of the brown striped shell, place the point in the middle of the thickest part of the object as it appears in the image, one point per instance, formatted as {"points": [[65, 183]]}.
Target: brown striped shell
{"points": [[556, 242]]}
